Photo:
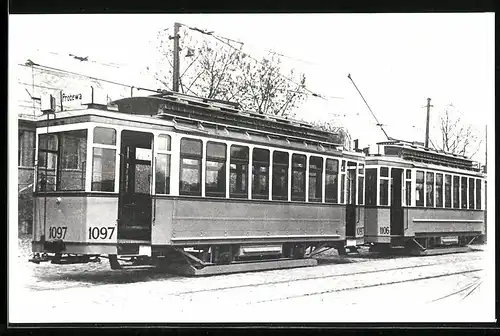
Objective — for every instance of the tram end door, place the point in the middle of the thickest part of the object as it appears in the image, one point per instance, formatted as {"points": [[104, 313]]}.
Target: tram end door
{"points": [[350, 211], [396, 216], [135, 199]]}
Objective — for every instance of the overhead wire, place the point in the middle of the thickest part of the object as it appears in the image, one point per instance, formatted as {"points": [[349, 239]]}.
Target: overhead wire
{"points": [[221, 39]]}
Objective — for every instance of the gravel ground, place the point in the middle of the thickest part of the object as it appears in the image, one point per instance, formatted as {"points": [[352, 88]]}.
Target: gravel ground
{"points": [[354, 288]]}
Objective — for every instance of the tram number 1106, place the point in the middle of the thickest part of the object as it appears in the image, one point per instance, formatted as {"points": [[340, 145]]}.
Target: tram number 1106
{"points": [[101, 232], [384, 230]]}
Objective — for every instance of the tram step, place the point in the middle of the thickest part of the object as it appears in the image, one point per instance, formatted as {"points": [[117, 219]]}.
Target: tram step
{"points": [[189, 270], [444, 250]]}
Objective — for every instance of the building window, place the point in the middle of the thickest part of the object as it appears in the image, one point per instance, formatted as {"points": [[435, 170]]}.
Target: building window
{"points": [[478, 194], [371, 186], [315, 179], [471, 193], [419, 188], [384, 186], [238, 172], [298, 177], [280, 175], [456, 192], [447, 191], [162, 170], [429, 189], [260, 174], [190, 167], [463, 188], [439, 190], [215, 180], [331, 180], [26, 145]]}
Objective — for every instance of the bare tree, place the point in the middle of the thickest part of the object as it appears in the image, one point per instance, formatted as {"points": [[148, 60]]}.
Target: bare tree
{"points": [[339, 135], [456, 136], [217, 70]]}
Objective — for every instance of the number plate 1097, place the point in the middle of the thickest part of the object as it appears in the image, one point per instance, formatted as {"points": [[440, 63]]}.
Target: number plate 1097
{"points": [[101, 233]]}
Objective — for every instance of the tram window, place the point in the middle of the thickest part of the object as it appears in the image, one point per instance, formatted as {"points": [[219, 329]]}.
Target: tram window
{"points": [[260, 174], [342, 188], [471, 193], [164, 142], [47, 162], [371, 186], [73, 154], [384, 192], [463, 187], [280, 175], [456, 192], [315, 179], [215, 180], [478, 194], [361, 169], [429, 189], [408, 193], [298, 177], [162, 174], [419, 188], [238, 172], [331, 180], [439, 190], [103, 169], [190, 174], [384, 172], [447, 191], [104, 136], [408, 187], [361, 197]]}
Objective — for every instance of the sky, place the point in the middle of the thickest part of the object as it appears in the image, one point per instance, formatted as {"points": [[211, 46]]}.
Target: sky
{"points": [[396, 60]]}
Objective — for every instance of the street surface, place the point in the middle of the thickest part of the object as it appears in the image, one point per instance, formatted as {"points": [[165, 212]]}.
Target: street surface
{"points": [[444, 288]]}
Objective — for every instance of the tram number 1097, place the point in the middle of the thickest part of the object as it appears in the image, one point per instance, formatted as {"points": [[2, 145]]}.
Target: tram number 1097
{"points": [[101, 232]]}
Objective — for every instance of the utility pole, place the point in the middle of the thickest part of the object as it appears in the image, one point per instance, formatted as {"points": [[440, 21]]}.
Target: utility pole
{"points": [[427, 123], [176, 74]]}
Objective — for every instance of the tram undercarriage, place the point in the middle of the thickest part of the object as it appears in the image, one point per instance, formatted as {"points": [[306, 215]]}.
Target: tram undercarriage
{"points": [[201, 260]]}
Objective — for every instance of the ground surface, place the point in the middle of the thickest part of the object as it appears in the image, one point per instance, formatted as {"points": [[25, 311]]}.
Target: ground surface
{"points": [[454, 287]]}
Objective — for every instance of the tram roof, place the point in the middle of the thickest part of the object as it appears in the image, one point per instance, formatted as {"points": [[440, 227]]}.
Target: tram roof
{"points": [[170, 105], [416, 152]]}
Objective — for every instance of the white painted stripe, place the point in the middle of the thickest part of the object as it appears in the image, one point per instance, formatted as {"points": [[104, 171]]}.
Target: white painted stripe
{"points": [[449, 220], [255, 237]]}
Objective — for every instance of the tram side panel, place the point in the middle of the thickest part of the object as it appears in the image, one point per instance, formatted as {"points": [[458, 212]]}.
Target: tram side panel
{"points": [[189, 222], [75, 224], [377, 225], [421, 221]]}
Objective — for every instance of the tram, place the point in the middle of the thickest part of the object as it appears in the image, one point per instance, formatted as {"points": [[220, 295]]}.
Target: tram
{"points": [[422, 199], [196, 185]]}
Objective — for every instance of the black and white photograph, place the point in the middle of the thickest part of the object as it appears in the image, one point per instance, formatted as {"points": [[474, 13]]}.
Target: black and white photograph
{"points": [[251, 168]]}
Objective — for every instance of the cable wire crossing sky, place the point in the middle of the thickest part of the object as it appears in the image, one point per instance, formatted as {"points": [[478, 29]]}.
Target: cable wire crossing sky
{"points": [[396, 60]]}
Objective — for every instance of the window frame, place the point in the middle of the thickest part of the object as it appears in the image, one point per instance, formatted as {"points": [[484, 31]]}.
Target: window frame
{"points": [[286, 165], [296, 197], [191, 156], [115, 147], [243, 162], [168, 153], [256, 173], [319, 179], [218, 160]]}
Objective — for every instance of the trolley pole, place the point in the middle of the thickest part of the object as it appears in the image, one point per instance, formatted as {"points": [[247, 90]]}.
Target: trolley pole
{"points": [[175, 86], [427, 123]]}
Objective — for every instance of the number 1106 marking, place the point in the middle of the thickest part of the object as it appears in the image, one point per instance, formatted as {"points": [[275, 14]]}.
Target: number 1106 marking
{"points": [[101, 232]]}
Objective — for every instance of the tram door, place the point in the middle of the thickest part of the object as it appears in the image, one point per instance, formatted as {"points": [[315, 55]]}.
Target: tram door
{"points": [[350, 211], [396, 202], [134, 205]]}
